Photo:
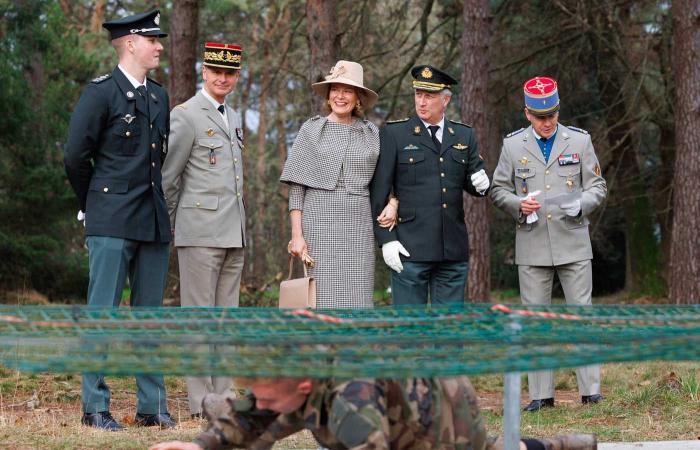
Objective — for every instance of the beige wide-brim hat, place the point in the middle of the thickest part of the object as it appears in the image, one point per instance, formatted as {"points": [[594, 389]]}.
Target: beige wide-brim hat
{"points": [[350, 73]]}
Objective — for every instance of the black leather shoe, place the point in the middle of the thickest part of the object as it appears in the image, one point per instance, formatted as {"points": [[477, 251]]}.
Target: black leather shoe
{"points": [[595, 398], [196, 416], [103, 420], [162, 420], [536, 405]]}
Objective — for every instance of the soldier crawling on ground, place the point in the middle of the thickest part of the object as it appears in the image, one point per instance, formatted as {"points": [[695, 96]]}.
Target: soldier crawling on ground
{"points": [[360, 414]]}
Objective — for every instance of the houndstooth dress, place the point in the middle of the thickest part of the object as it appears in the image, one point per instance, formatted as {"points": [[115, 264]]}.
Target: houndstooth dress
{"points": [[328, 170]]}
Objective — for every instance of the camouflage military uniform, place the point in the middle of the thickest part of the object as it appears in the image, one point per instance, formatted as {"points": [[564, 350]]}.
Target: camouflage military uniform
{"points": [[415, 414]]}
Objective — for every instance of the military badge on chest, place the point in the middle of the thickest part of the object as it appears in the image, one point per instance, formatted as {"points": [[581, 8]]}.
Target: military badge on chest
{"points": [[572, 158]]}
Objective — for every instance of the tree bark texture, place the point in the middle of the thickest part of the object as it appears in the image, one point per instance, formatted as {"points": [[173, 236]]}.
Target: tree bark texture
{"points": [[183, 35], [324, 42], [685, 246], [474, 109]]}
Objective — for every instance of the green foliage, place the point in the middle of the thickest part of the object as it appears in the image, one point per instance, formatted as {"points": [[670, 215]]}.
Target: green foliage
{"points": [[41, 72]]}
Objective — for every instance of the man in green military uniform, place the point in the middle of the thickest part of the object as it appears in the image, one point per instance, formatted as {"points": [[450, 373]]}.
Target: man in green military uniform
{"points": [[362, 414], [549, 180], [116, 144], [427, 161]]}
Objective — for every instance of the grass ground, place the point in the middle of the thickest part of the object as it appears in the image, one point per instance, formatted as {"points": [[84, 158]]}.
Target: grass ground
{"points": [[644, 401]]}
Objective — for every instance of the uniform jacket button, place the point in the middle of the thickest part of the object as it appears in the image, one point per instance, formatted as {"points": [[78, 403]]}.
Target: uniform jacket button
{"points": [[549, 216], [153, 145], [198, 204], [441, 159], [105, 189], [444, 205], [128, 133]]}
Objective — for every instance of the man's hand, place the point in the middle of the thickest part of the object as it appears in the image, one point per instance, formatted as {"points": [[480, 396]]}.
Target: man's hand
{"points": [[391, 251], [572, 208], [480, 181], [175, 445], [81, 217], [529, 205], [387, 219]]}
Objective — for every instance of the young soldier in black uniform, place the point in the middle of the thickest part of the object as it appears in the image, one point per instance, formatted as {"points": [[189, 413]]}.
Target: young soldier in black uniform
{"points": [[116, 145], [427, 161]]}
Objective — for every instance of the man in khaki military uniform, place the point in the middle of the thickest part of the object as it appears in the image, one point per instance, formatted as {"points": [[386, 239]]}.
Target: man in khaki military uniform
{"points": [[548, 179], [203, 185], [360, 414]]}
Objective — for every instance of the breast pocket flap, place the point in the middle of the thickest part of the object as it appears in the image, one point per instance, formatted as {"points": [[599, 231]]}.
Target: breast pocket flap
{"points": [[209, 202]]}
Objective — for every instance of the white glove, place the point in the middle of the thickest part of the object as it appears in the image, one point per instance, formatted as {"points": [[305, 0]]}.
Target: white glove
{"points": [[572, 208], [81, 217], [391, 251], [480, 181]]}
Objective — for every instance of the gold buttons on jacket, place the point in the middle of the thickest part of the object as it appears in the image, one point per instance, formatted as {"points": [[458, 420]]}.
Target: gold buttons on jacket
{"points": [[444, 205], [197, 204], [444, 189], [106, 189], [153, 145], [442, 174], [237, 178], [549, 216], [546, 172], [410, 160], [547, 187], [235, 160], [238, 194], [441, 159], [153, 164], [128, 133]]}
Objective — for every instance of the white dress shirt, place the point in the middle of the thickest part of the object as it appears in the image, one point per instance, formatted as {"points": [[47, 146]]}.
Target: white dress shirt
{"points": [[216, 107], [438, 133]]}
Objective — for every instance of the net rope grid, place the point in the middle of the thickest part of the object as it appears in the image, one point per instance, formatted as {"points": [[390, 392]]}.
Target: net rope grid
{"points": [[381, 343]]}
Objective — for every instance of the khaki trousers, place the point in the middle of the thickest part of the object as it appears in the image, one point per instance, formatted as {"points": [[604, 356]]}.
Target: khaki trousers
{"points": [[209, 277], [536, 289]]}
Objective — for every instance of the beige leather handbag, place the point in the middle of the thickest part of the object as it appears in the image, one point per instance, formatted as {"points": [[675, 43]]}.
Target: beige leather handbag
{"points": [[298, 292]]}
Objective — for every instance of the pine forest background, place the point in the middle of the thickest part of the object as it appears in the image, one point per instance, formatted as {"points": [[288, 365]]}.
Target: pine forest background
{"points": [[628, 72]]}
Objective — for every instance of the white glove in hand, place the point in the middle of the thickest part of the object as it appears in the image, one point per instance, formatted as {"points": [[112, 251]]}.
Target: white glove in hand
{"points": [[391, 251], [532, 217], [480, 181], [572, 208], [81, 217]]}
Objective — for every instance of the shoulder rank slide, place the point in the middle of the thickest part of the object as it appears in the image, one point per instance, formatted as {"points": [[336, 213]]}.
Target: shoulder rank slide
{"points": [[102, 78], [580, 130], [460, 123], [515, 132], [396, 120]]}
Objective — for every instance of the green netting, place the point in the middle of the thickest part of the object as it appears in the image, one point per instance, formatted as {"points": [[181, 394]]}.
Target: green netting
{"points": [[383, 342]]}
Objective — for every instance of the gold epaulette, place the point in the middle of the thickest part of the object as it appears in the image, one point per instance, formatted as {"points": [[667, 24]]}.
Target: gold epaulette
{"points": [[396, 121], [460, 123]]}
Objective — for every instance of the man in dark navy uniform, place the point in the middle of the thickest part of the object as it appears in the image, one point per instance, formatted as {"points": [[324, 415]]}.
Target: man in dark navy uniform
{"points": [[426, 161], [116, 144]]}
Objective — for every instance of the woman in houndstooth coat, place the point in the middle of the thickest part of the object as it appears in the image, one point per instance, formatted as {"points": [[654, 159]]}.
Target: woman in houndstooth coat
{"points": [[328, 171]]}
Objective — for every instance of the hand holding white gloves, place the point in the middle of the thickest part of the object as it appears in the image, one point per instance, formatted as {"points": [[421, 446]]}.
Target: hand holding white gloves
{"points": [[480, 181], [81, 217], [390, 252], [572, 208]]}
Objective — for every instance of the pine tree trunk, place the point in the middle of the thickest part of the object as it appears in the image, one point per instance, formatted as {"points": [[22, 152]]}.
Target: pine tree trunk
{"points": [[474, 109], [323, 42], [684, 271], [183, 50]]}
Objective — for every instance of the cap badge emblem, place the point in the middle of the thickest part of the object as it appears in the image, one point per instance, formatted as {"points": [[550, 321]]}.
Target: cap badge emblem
{"points": [[426, 73], [156, 20]]}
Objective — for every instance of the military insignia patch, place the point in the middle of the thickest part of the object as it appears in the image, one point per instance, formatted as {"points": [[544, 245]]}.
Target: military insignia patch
{"points": [[239, 134], [101, 78], [565, 160], [410, 147], [515, 132], [580, 130], [156, 19], [128, 118], [524, 161], [210, 132], [521, 170], [129, 94], [450, 130], [153, 96], [460, 147], [416, 130], [597, 170], [426, 73]]}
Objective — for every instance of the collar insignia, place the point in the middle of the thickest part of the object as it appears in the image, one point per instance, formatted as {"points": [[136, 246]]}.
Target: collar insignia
{"points": [[210, 132], [128, 118], [451, 131], [524, 161], [129, 94], [416, 130]]}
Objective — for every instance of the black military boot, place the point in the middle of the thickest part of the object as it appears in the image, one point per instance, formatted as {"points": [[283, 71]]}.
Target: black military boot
{"points": [[103, 420], [536, 405]]}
